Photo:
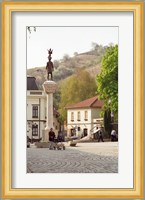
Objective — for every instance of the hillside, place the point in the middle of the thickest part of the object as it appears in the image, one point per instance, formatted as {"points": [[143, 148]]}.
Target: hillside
{"points": [[90, 61]]}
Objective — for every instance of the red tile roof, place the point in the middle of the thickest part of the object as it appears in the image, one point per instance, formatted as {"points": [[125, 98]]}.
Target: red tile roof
{"points": [[89, 103]]}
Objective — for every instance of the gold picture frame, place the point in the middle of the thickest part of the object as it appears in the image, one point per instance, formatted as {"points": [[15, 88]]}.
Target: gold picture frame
{"points": [[7, 9]]}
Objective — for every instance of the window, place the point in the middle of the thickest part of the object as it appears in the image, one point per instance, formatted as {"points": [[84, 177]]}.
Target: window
{"points": [[79, 116], [35, 111], [35, 130], [86, 115], [72, 116], [79, 128]]}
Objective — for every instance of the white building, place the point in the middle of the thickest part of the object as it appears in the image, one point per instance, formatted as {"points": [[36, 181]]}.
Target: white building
{"points": [[83, 118], [36, 111]]}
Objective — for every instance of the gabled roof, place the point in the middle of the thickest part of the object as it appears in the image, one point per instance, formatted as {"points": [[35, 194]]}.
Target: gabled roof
{"points": [[93, 102], [31, 83]]}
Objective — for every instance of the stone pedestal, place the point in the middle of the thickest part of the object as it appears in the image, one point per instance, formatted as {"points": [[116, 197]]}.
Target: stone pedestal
{"points": [[49, 88]]}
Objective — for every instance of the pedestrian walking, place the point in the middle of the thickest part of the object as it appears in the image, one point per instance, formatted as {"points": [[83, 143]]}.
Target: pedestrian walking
{"points": [[96, 134], [100, 132]]}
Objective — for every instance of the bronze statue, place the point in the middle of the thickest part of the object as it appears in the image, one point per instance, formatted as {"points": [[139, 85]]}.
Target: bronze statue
{"points": [[50, 51], [49, 65]]}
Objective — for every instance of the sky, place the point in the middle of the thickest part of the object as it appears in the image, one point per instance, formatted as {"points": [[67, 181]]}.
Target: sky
{"points": [[65, 40]]}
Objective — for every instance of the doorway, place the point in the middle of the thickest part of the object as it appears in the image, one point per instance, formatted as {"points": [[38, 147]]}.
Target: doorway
{"points": [[85, 132]]}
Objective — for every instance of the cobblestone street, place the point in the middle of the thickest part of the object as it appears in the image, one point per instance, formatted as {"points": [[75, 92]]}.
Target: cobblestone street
{"points": [[84, 158]]}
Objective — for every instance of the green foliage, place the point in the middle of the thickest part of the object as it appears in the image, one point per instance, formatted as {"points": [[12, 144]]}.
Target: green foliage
{"points": [[76, 88], [107, 80], [61, 73], [56, 99]]}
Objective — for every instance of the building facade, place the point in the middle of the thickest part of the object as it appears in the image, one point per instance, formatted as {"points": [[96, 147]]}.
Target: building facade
{"points": [[36, 111], [83, 118]]}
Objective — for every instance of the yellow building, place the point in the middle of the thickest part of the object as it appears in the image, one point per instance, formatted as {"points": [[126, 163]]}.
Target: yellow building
{"points": [[83, 118]]}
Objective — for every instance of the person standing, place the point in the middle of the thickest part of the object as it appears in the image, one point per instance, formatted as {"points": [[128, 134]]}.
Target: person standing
{"points": [[100, 132], [113, 135], [51, 138], [96, 134]]}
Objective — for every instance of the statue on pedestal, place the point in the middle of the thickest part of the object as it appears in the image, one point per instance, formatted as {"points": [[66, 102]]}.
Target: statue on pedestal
{"points": [[49, 87], [49, 65]]}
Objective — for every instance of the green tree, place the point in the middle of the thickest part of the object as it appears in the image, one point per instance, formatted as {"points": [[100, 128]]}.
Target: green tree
{"points": [[107, 80], [76, 88], [107, 121], [56, 99]]}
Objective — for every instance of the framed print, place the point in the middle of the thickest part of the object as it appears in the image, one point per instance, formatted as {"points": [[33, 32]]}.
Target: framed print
{"points": [[72, 100]]}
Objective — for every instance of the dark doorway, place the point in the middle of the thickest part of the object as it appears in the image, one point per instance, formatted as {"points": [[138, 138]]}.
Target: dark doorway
{"points": [[85, 132], [72, 132]]}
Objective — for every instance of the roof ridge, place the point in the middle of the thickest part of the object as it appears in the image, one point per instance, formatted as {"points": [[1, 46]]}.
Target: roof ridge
{"points": [[94, 100], [85, 100], [89, 102], [88, 99]]}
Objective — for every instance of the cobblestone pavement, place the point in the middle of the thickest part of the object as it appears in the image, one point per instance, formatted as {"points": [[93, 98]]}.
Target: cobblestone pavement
{"points": [[84, 158]]}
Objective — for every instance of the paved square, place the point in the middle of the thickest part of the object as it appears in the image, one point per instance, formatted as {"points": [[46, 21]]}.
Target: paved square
{"points": [[84, 158]]}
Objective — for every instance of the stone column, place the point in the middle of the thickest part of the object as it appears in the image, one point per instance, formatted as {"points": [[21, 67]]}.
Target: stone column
{"points": [[49, 88]]}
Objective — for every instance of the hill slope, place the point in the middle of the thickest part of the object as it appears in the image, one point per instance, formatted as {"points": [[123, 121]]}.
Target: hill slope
{"points": [[90, 61]]}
